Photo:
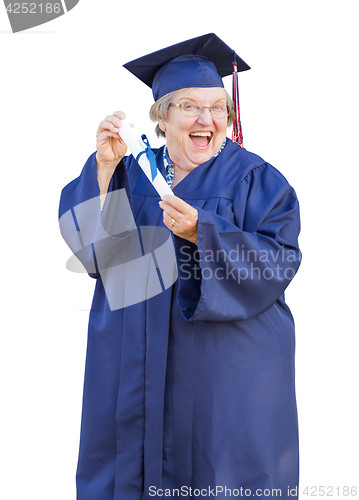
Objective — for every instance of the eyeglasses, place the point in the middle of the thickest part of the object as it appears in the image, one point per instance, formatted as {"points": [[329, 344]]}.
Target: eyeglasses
{"points": [[192, 108]]}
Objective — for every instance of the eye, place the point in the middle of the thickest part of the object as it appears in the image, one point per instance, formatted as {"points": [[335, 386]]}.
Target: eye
{"points": [[189, 106]]}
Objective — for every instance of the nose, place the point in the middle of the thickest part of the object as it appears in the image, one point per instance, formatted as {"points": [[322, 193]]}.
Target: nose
{"points": [[205, 118]]}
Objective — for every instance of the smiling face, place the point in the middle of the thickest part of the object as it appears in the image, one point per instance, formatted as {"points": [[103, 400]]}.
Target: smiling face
{"points": [[192, 140]]}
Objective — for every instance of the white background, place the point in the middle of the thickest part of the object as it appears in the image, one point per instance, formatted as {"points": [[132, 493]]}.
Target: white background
{"points": [[299, 110]]}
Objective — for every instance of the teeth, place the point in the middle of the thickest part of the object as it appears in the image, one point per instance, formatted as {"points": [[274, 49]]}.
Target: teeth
{"points": [[202, 134]]}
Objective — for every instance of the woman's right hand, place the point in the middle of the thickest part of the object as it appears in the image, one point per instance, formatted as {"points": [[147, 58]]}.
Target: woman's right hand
{"points": [[110, 147]]}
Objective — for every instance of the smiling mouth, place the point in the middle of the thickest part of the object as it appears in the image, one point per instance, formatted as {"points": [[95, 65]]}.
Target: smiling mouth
{"points": [[201, 139]]}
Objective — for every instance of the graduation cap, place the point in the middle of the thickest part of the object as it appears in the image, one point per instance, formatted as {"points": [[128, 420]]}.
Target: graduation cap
{"points": [[198, 62]]}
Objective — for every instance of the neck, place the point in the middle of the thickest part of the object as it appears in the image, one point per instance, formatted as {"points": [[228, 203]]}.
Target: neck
{"points": [[179, 174]]}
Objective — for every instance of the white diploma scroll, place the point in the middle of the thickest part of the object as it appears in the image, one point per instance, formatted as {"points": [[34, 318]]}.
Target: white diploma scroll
{"points": [[137, 146]]}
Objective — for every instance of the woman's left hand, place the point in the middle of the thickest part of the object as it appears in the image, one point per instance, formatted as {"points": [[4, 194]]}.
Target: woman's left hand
{"points": [[180, 217]]}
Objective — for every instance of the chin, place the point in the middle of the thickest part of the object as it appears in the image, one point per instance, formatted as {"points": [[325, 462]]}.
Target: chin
{"points": [[204, 155]]}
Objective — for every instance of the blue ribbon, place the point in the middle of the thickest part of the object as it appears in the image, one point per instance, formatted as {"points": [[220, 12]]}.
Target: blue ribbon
{"points": [[150, 156]]}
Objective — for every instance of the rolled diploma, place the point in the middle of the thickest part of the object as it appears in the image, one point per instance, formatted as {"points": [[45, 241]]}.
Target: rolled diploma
{"points": [[135, 145]]}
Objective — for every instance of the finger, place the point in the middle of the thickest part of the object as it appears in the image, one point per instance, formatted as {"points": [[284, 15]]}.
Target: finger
{"points": [[112, 122], [170, 212], [167, 217], [108, 125], [178, 204], [120, 114], [187, 215], [169, 222], [106, 134], [178, 222], [183, 229]]}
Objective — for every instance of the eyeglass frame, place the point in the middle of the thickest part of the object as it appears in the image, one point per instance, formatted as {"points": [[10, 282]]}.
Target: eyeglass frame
{"points": [[202, 108]]}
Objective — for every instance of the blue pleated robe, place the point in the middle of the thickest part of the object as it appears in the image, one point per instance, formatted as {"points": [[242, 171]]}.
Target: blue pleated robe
{"points": [[194, 387]]}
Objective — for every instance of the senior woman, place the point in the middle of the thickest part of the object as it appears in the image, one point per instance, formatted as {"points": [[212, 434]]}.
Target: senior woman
{"points": [[190, 392]]}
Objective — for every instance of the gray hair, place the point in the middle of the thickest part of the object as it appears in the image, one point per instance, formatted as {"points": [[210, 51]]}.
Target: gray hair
{"points": [[161, 106]]}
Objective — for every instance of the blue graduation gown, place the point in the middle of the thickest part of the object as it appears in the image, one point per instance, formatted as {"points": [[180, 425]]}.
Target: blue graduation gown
{"points": [[194, 387]]}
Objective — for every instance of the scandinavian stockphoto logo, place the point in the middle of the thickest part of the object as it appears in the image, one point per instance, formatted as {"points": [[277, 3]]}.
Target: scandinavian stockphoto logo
{"points": [[25, 15], [135, 263]]}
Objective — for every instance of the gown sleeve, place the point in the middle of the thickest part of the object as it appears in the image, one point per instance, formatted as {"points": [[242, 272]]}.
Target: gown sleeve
{"points": [[241, 268], [96, 237]]}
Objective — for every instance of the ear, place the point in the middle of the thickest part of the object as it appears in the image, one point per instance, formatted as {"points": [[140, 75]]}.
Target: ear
{"points": [[161, 124]]}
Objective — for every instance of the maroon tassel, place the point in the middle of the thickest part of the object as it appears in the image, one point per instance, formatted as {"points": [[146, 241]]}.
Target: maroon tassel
{"points": [[237, 135]]}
